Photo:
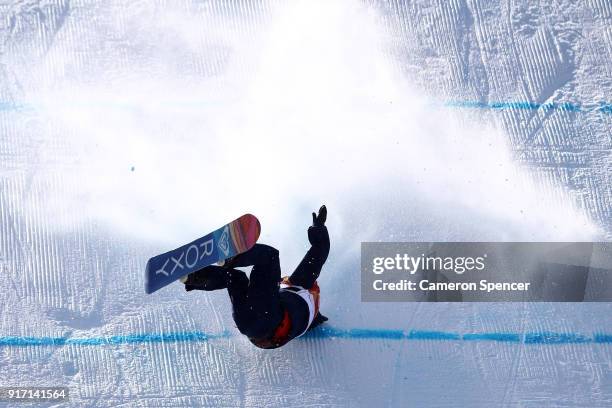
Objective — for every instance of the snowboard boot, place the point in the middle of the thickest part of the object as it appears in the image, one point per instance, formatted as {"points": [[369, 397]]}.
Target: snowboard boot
{"points": [[318, 320], [184, 280], [212, 277]]}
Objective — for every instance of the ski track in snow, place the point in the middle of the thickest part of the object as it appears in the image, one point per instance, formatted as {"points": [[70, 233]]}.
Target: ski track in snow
{"points": [[539, 71]]}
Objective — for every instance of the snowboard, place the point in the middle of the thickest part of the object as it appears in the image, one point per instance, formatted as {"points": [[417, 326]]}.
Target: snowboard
{"points": [[230, 240]]}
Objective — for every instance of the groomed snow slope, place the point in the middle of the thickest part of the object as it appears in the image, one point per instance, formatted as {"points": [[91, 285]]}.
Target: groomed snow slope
{"points": [[127, 128]]}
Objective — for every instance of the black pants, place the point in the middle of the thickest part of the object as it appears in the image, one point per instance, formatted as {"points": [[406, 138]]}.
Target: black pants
{"points": [[257, 304]]}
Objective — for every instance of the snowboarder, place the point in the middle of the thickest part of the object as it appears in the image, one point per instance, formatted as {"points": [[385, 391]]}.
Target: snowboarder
{"points": [[268, 309]]}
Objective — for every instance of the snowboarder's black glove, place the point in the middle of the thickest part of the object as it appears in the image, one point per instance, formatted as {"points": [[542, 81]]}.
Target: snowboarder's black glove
{"points": [[319, 220], [317, 233]]}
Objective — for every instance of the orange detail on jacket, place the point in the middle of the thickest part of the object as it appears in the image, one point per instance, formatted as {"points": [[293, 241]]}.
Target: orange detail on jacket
{"points": [[279, 337]]}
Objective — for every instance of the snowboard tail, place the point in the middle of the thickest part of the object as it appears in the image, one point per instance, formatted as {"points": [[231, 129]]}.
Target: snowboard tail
{"points": [[228, 241]]}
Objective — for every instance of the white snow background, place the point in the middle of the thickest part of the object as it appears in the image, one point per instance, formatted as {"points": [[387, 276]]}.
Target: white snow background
{"points": [[129, 128]]}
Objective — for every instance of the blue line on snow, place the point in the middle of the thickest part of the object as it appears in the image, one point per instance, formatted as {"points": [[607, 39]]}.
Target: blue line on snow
{"points": [[322, 332], [432, 335], [332, 332], [556, 338], [602, 107], [97, 341], [509, 337], [602, 338]]}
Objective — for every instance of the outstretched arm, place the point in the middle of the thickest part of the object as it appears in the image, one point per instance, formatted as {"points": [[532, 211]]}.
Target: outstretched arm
{"points": [[309, 268], [318, 235]]}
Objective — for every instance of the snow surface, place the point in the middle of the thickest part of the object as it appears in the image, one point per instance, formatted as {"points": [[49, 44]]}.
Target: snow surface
{"points": [[128, 128]]}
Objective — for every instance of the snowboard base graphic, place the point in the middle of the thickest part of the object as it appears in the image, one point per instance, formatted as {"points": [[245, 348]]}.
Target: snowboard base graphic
{"points": [[230, 240]]}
